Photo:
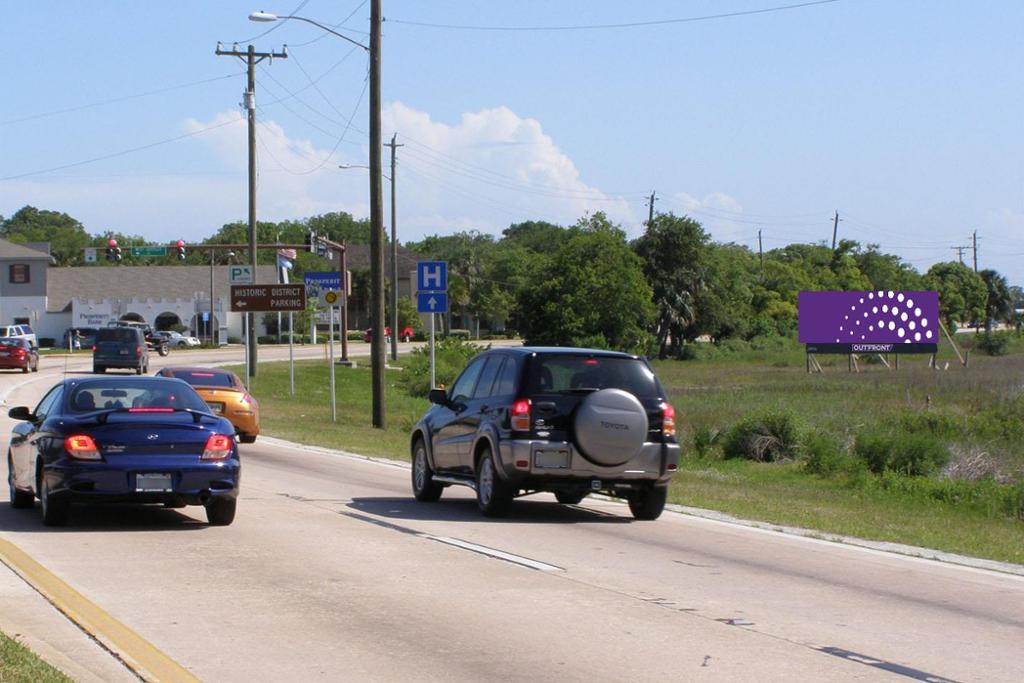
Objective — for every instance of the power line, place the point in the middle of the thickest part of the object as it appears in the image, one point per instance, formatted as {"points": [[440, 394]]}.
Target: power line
{"points": [[337, 27], [635, 24], [124, 151], [115, 100]]}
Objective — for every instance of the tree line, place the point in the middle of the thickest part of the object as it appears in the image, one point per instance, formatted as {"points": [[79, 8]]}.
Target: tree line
{"points": [[587, 284]]}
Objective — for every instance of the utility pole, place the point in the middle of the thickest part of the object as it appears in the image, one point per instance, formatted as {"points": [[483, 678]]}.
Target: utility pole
{"points": [[650, 207], [251, 59], [975, 244], [760, 252], [376, 225], [960, 253], [394, 255], [835, 230]]}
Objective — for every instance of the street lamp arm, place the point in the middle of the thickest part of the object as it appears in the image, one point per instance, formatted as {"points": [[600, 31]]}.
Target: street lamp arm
{"points": [[267, 16]]}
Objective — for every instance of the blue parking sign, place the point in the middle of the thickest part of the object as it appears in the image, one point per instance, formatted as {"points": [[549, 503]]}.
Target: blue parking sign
{"points": [[432, 276], [432, 302]]}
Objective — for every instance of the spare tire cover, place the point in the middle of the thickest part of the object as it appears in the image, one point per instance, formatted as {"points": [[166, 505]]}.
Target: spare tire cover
{"points": [[610, 427]]}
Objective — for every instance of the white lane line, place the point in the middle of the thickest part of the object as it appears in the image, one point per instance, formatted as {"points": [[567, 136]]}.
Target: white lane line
{"points": [[498, 554]]}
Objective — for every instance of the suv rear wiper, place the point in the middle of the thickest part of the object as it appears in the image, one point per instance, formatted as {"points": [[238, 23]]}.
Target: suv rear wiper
{"points": [[102, 415]]}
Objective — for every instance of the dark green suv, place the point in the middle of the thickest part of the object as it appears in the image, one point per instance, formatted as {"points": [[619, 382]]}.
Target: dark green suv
{"points": [[120, 347]]}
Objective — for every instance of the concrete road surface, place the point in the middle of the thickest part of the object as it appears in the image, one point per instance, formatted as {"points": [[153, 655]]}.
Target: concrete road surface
{"points": [[332, 571]]}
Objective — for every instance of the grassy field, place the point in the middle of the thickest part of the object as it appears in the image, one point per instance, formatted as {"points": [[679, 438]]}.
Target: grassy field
{"points": [[978, 411], [19, 665]]}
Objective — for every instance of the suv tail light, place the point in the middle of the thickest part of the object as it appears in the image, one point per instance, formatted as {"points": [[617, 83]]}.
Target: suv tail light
{"points": [[138, 351], [521, 415], [218, 447], [81, 447], [668, 420]]}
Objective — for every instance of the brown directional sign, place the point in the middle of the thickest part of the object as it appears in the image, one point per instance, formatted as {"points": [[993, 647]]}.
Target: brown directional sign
{"points": [[261, 298]]}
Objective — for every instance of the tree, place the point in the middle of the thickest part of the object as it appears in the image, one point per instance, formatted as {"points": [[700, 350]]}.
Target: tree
{"points": [[998, 299], [962, 292], [67, 237], [886, 271], [536, 236], [591, 292], [674, 254]]}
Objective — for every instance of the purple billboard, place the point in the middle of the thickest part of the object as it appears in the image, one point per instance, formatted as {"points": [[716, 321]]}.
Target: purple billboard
{"points": [[869, 321]]}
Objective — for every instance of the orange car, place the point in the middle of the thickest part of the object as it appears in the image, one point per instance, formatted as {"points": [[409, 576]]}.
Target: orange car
{"points": [[224, 392]]}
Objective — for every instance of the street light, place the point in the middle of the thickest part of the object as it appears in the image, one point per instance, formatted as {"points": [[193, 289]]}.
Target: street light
{"points": [[376, 200], [264, 17]]}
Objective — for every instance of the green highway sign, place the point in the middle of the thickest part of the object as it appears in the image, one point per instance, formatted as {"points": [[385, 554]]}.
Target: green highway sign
{"points": [[149, 251]]}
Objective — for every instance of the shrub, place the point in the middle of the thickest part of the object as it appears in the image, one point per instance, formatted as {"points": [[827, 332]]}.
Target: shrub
{"points": [[994, 343], [705, 440], [451, 355], [913, 454], [937, 424], [459, 334], [770, 436], [822, 454], [355, 335], [234, 340]]}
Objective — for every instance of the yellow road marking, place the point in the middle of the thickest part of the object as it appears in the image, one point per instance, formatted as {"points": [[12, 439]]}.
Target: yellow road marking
{"points": [[136, 652]]}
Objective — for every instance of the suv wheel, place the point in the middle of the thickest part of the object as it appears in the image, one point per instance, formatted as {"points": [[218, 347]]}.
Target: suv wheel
{"points": [[570, 497], [493, 494], [424, 488], [648, 504], [98, 369]]}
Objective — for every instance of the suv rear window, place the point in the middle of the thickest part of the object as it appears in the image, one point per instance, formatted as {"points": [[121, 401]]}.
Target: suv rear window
{"points": [[564, 373], [124, 335]]}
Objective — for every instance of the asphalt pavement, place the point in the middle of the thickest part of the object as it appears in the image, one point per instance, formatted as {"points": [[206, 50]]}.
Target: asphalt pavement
{"points": [[332, 571]]}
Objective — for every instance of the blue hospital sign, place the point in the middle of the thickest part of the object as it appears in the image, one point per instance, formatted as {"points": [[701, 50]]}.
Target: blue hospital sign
{"points": [[432, 276]]}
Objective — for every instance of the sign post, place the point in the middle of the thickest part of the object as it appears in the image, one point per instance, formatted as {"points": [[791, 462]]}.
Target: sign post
{"points": [[432, 298], [291, 350], [330, 344]]}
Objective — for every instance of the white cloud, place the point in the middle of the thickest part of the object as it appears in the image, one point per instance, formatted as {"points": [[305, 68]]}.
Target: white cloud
{"points": [[719, 213]]}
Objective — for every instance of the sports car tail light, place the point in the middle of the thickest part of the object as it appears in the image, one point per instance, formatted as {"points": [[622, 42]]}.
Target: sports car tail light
{"points": [[246, 398], [521, 415], [82, 447], [218, 447], [151, 410], [668, 420]]}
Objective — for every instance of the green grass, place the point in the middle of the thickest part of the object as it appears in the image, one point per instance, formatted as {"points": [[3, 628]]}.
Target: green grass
{"points": [[18, 664], [306, 417], [978, 412]]}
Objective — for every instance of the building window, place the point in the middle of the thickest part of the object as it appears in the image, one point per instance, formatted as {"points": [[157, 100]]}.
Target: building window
{"points": [[19, 273]]}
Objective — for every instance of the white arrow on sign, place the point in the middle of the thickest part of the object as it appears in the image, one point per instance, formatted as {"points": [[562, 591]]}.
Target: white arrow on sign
{"points": [[433, 303], [241, 303]]}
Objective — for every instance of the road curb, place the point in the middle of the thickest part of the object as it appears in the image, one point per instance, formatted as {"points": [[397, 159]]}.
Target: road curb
{"points": [[137, 653]]}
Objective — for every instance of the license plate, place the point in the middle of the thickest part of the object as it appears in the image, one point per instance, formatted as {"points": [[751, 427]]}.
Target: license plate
{"points": [[216, 407], [4, 354], [153, 483], [551, 459], [124, 352]]}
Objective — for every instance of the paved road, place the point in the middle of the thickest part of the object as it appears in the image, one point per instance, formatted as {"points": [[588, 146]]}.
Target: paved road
{"points": [[331, 571]]}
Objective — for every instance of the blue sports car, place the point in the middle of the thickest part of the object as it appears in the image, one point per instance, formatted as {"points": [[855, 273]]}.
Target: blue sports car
{"points": [[123, 439]]}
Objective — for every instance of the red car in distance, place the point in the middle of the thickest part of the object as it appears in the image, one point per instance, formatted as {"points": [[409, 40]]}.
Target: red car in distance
{"points": [[18, 354], [407, 334]]}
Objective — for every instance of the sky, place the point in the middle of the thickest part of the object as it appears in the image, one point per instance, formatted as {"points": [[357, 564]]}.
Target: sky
{"points": [[905, 116]]}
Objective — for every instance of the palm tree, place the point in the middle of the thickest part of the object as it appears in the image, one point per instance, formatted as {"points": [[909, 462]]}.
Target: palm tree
{"points": [[999, 301]]}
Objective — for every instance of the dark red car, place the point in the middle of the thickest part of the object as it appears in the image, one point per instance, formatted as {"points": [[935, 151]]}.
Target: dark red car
{"points": [[18, 354]]}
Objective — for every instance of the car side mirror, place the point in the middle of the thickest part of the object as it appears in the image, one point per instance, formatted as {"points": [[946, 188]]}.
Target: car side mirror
{"points": [[20, 413], [438, 396]]}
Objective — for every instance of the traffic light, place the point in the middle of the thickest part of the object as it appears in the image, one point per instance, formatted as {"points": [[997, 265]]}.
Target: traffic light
{"points": [[113, 251], [180, 246]]}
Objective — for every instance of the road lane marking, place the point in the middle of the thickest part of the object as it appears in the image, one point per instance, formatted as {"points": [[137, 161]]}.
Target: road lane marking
{"points": [[137, 653], [459, 543], [498, 554]]}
